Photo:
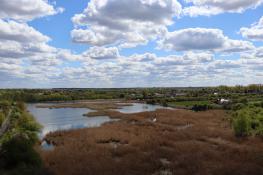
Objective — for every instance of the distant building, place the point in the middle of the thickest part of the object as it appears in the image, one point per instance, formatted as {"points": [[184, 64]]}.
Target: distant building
{"points": [[224, 101]]}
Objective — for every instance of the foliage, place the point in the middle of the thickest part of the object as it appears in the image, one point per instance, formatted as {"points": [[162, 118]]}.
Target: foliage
{"points": [[248, 121], [237, 106], [201, 107], [242, 124], [17, 155]]}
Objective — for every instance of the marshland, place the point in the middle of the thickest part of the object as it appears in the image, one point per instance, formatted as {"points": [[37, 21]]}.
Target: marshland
{"points": [[132, 131], [131, 87]]}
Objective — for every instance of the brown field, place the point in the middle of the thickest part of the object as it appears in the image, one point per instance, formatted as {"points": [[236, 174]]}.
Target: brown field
{"points": [[180, 142]]}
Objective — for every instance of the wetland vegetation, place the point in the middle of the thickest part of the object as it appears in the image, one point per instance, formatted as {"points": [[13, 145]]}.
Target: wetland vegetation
{"points": [[205, 130]]}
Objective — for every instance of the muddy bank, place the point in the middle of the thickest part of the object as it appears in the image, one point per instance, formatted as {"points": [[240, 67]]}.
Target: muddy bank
{"points": [[167, 142]]}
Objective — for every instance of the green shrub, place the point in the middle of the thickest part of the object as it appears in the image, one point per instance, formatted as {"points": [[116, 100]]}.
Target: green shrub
{"points": [[238, 106], [17, 154], [201, 107], [248, 121], [241, 125], [243, 100], [19, 150]]}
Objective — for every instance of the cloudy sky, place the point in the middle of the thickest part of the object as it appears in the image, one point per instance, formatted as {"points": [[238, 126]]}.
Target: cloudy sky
{"points": [[130, 43]]}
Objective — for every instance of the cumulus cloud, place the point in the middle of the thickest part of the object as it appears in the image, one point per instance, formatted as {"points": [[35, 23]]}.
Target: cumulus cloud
{"points": [[19, 40], [202, 39], [22, 47], [214, 7], [21, 32], [148, 69], [187, 58], [255, 54], [26, 10], [126, 23], [102, 53], [259, 52], [255, 32], [108, 25]]}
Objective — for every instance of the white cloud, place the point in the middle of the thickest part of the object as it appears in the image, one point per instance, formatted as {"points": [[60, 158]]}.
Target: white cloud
{"points": [[124, 22], [255, 32], [188, 58], [214, 7], [259, 52], [102, 53], [19, 40], [146, 69], [255, 54], [21, 32], [202, 39], [67, 55], [107, 25], [151, 70], [29, 50], [26, 10], [24, 52]]}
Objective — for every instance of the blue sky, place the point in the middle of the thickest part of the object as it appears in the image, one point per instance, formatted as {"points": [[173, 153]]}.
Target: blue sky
{"points": [[130, 43], [58, 27]]}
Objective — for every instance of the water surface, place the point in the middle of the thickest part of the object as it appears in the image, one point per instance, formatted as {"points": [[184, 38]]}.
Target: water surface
{"points": [[140, 107], [64, 118]]}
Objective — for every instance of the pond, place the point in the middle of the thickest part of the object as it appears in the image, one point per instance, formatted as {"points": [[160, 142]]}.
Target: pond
{"points": [[64, 118], [72, 118], [140, 107]]}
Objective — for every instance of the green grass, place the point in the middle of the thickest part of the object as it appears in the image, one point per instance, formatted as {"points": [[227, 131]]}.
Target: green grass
{"points": [[188, 103]]}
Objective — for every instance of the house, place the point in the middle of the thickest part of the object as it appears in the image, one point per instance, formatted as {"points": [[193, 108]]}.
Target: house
{"points": [[223, 101]]}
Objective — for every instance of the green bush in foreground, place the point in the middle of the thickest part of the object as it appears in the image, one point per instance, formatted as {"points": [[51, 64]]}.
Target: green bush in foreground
{"points": [[242, 125], [17, 155], [248, 121]]}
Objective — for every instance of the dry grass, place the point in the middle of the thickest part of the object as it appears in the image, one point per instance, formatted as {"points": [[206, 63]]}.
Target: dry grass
{"points": [[180, 142]]}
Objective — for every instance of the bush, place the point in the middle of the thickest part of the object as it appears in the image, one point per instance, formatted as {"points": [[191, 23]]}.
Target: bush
{"points": [[241, 125], [248, 121], [201, 107], [19, 151], [17, 155], [238, 106], [243, 100], [152, 101]]}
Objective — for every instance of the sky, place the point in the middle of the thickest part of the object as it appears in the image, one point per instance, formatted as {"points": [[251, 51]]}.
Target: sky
{"points": [[130, 43]]}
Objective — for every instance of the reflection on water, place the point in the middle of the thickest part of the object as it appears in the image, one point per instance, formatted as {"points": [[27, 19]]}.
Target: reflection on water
{"points": [[72, 118], [140, 107], [64, 118]]}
